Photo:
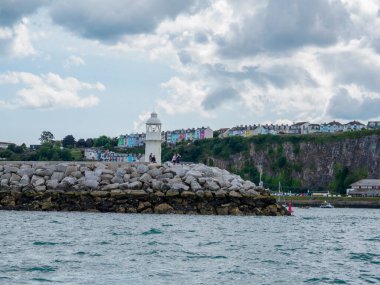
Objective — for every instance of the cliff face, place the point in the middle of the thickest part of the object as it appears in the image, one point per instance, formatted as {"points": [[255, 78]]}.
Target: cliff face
{"points": [[312, 164]]}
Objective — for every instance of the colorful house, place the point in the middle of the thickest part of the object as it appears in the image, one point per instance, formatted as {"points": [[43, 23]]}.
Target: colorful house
{"points": [[353, 126]]}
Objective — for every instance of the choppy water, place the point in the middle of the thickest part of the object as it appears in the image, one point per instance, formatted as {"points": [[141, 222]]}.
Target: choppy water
{"points": [[316, 246]]}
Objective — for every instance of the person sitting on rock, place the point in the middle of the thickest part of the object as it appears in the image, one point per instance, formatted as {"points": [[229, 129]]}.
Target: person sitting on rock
{"points": [[174, 159], [153, 159], [178, 157]]}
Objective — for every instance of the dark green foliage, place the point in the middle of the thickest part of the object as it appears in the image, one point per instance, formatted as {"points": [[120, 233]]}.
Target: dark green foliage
{"points": [[46, 136], [81, 143], [344, 177], [68, 141]]}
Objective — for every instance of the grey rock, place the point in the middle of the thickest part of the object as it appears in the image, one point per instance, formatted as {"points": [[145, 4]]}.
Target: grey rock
{"points": [[6, 176], [77, 174], [200, 193], [120, 172], [154, 172], [195, 186], [26, 171], [52, 184], [172, 193], [10, 169], [111, 187], [180, 187], [24, 180], [234, 194], [142, 168], [220, 194], [4, 182], [117, 179], [108, 171], [126, 177], [156, 184], [61, 167], [145, 178], [15, 177], [168, 175], [69, 180], [43, 172], [57, 176], [212, 185], [40, 188], [38, 182], [106, 176], [70, 169], [93, 184], [135, 185]]}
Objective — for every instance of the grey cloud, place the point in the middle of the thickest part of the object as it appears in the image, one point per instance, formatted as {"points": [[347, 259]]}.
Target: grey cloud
{"points": [[108, 20], [343, 106], [218, 97], [349, 67], [11, 11], [287, 25], [184, 57], [279, 76]]}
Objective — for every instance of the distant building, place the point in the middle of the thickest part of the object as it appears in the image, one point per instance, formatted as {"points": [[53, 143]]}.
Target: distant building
{"points": [[299, 128], [365, 188], [4, 144], [373, 125], [332, 127], [353, 126]]}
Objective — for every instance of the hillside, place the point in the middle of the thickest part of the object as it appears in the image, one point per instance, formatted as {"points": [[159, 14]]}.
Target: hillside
{"points": [[299, 162]]}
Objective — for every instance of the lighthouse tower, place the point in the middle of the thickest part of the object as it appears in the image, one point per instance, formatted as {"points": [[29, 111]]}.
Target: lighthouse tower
{"points": [[153, 138]]}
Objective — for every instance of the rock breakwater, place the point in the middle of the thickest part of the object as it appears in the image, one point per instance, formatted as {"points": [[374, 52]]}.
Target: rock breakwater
{"points": [[131, 188]]}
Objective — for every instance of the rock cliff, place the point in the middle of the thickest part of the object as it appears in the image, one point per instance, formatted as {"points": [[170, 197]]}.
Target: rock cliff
{"points": [[131, 188]]}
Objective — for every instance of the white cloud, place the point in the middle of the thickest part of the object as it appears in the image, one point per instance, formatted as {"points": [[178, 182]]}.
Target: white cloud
{"points": [[139, 124], [73, 61], [49, 91]]}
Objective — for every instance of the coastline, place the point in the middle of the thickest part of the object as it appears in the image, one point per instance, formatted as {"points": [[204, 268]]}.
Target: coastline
{"points": [[338, 202]]}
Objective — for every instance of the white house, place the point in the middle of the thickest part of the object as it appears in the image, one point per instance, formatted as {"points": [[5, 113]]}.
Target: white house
{"points": [[365, 188], [4, 144], [299, 128], [372, 125], [353, 126], [332, 127]]}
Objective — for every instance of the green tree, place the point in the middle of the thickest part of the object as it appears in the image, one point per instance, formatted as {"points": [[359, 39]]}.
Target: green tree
{"points": [[81, 143], [89, 142], [68, 141], [46, 136]]}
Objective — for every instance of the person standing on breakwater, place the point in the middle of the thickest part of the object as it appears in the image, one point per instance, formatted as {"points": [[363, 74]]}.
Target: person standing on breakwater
{"points": [[153, 160], [178, 158], [150, 157], [174, 159]]}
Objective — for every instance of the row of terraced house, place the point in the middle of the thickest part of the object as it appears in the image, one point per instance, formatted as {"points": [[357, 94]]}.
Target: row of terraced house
{"points": [[170, 137], [297, 128]]}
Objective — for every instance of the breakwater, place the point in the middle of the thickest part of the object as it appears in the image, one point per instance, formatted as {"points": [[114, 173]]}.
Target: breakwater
{"points": [[131, 188], [338, 202]]}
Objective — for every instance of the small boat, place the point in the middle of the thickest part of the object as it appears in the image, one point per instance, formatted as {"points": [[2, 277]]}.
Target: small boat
{"points": [[326, 205]]}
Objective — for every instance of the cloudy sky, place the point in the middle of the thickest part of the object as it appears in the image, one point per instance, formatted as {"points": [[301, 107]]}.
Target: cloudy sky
{"points": [[95, 67]]}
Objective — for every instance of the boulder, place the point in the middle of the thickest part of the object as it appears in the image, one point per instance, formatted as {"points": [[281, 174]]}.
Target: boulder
{"points": [[69, 180], [135, 185], [37, 181], [172, 193], [4, 182], [220, 194], [77, 174], [24, 180], [52, 184], [117, 179], [212, 185], [163, 209], [156, 184], [154, 172], [93, 184], [180, 186], [195, 186], [15, 177], [111, 187], [43, 172], [26, 171], [145, 178], [142, 168], [57, 176], [234, 194]]}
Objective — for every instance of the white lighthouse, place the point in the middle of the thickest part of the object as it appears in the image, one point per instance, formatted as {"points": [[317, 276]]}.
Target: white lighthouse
{"points": [[153, 138]]}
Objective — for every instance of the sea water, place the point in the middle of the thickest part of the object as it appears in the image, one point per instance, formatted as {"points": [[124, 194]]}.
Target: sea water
{"points": [[315, 246]]}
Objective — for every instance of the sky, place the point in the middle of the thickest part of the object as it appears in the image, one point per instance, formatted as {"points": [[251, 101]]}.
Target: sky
{"points": [[93, 67]]}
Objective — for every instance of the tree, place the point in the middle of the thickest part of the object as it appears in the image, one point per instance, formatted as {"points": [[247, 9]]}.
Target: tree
{"points": [[81, 143], [46, 136], [68, 141], [89, 142]]}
